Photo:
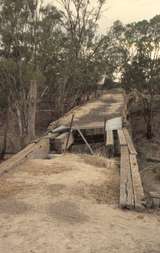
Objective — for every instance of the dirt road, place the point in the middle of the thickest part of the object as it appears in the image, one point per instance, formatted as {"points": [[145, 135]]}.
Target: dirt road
{"points": [[70, 205]]}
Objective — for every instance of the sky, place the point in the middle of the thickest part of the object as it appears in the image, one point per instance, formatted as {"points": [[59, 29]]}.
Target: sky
{"points": [[126, 11], [129, 10]]}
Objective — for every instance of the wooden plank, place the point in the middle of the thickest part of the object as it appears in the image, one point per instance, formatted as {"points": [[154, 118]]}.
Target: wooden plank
{"points": [[130, 193], [155, 203], [110, 139], [41, 149], [70, 132], [61, 141], [84, 139], [123, 177], [122, 139], [129, 142], [137, 183], [109, 143], [60, 130], [38, 149], [155, 195], [52, 136], [114, 124], [126, 187], [90, 131]]}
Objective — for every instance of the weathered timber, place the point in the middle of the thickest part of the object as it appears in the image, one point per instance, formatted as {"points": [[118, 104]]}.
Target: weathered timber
{"points": [[109, 143], [155, 203], [130, 191], [41, 149], [155, 195], [84, 139], [70, 132], [90, 139], [114, 124], [110, 138], [129, 142], [34, 150], [122, 139], [126, 187], [59, 130], [125, 111], [91, 130], [153, 200], [105, 137], [52, 136], [61, 141], [137, 183]]}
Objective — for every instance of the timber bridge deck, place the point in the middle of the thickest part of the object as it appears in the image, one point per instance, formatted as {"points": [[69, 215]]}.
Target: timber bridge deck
{"points": [[99, 120]]}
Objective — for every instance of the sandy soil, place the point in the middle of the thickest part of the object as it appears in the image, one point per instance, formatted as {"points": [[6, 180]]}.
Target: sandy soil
{"points": [[70, 205]]}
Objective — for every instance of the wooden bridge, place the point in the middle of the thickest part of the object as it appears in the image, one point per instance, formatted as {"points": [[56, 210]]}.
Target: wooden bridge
{"points": [[101, 119]]}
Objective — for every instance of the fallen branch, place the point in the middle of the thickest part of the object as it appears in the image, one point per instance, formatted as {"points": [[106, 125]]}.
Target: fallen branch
{"points": [[89, 147], [70, 130]]}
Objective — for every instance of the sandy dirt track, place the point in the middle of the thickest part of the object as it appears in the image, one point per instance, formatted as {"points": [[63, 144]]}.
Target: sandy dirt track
{"points": [[69, 205]]}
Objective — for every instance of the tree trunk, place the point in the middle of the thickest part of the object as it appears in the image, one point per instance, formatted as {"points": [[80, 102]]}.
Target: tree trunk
{"points": [[148, 115], [32, 102], [4, 146], [20, 127], [26, 115], [149, 133], [95, 91]]}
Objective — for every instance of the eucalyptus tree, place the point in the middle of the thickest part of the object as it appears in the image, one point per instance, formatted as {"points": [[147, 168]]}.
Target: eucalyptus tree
{"points": [[51, 53], [142, 71], [115, 50], [61, 48], [83, 49], [133, 54], [18, 48]]}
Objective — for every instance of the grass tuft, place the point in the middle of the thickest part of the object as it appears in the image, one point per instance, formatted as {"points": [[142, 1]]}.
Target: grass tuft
{"points": [[98, 160]]}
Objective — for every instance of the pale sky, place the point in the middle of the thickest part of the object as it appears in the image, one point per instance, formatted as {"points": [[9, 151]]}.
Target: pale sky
{"points": [[126, 11], [129, 10]]}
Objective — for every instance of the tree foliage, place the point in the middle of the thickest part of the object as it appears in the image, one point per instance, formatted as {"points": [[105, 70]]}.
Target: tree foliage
{"points": [[135, 56], [63, 51], [60, 48]]}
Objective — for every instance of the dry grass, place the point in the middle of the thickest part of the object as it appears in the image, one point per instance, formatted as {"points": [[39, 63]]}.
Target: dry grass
{"points": [[98, 160], [67, 163], [106, 193]]}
